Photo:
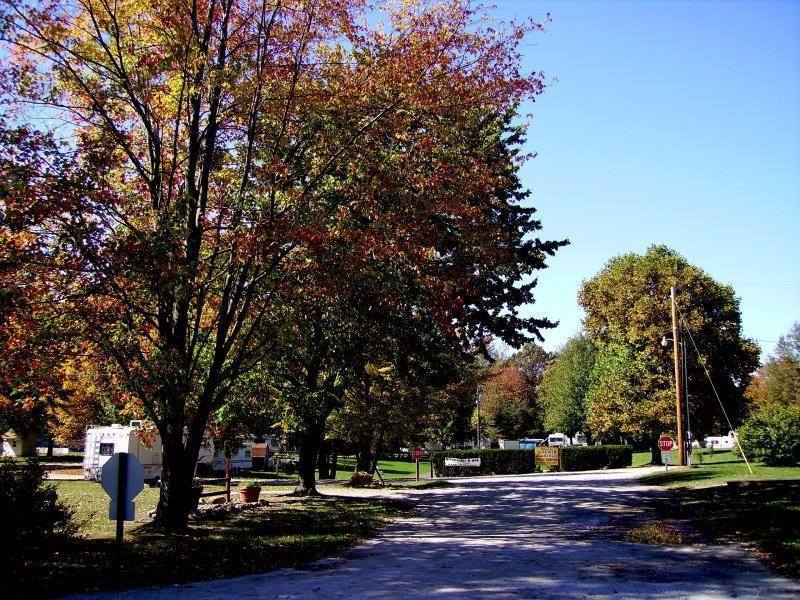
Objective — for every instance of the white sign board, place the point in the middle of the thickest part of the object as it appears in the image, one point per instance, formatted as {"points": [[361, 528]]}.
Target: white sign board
{"points": [[134, 484], [462, 462], [666, 458]]}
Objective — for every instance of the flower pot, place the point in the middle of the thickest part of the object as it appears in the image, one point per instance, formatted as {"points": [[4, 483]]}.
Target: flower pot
{"points": [[249, 494]]}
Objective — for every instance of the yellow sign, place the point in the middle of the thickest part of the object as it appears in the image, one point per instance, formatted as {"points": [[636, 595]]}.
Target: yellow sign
{"points": [[546, 455]]}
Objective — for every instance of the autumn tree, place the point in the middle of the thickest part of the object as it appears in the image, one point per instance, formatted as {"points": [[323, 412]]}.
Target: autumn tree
{"points": [[212, 143], [777, 381], [34, 336], [628, 313], [434, 271], [565, 385]]}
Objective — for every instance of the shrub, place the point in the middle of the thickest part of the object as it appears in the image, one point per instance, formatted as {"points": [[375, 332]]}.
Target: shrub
{"points": [[360, 479], [493, 462], [588, 458], [32, 518], [772, 435]]}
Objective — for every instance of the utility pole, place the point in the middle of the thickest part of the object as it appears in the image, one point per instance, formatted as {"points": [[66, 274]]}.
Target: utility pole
{"points": [[676, 347]]}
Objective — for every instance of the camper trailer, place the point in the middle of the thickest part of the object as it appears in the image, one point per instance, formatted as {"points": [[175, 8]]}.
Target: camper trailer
{"points": [[723, 442], [103, 442], [137, 438], [243, 459], [557, 439]]}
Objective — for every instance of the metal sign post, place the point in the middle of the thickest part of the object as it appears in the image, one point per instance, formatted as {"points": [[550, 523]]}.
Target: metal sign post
{"points": [[666, 443], [417, 454], [122, 478]]}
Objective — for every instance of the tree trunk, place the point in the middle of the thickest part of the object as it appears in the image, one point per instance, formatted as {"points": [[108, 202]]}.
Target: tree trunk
{"points": [[655, 451], [364, 456], [50, 448], [323, 462], [377, 450], [309, 447], [334, 460], [175, 500]]}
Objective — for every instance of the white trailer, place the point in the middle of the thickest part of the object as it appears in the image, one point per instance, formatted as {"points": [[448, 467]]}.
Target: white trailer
{"points": [[243, 459], [722, 442], [137, 438]]}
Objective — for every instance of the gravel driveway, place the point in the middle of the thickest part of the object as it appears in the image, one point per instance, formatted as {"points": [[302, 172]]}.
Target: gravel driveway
{"points": [[540, 536]]}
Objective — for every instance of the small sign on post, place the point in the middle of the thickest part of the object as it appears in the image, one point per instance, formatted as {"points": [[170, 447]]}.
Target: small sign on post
{"points": [[547, 455], [666, 443], [122, 478], [417, 455], [462, 462]]}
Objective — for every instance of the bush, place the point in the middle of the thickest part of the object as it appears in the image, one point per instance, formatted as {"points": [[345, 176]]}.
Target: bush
{"points": [[360, 479], [493, 462], [32, 518], [772, 435], [588, 458]]}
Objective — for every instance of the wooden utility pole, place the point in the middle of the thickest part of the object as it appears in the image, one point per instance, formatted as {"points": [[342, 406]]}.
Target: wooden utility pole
{"points": [[676, 346]]}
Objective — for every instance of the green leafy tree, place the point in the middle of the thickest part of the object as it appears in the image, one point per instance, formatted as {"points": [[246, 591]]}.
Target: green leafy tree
{"points": [[772, 434], [565, 385], [628, 313]]}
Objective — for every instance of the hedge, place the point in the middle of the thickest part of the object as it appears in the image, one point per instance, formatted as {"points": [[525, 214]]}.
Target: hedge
{"points": [[493, 462], [515, 462], [589, 458]]}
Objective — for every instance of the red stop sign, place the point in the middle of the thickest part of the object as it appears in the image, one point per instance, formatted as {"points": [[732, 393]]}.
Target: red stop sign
{"points": [[417, 453], [666, 443]]}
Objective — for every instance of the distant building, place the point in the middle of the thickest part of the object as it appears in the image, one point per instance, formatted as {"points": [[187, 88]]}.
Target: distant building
{"points": [[15, 445]]}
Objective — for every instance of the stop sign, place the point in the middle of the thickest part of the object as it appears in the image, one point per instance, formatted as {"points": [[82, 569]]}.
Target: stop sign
{"points": [[666, 443], [417, 453]]}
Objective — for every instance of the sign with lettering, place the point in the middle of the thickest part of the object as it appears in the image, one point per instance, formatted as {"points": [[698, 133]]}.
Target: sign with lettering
{"points": [[462, 462], [547, 455]]}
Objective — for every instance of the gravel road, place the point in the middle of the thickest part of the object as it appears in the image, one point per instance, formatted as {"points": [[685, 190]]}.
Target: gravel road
{"points": [[539, 536]]}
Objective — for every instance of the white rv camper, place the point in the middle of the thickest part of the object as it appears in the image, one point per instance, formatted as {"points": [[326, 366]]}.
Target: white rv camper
{"points": [[103, 442], [138, 439], [243, 459]]}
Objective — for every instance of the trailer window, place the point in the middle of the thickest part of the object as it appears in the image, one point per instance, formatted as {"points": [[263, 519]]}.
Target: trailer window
{"points": [[106, 449]]}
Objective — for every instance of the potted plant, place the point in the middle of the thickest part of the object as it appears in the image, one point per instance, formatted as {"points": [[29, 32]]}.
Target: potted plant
{"points": [[249, 492]]}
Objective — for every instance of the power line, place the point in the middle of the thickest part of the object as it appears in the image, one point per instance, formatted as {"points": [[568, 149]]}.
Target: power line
{"points": [[702, 362]]}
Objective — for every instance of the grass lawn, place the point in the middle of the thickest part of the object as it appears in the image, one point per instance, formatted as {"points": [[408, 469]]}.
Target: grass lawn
{"points": [[390, 469], [766, 516], [288, 532], [717, 467]]}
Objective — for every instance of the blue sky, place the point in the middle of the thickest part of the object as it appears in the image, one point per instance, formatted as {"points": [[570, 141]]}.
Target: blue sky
{"points": [[675, 123]]}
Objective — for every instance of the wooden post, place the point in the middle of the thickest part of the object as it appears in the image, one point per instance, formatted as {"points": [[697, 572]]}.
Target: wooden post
{"points": [[417, 461], [676, 348], [227, 479]]}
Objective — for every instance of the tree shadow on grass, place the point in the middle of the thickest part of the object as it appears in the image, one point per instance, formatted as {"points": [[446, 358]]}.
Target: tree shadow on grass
{"points": [[293, 532]]}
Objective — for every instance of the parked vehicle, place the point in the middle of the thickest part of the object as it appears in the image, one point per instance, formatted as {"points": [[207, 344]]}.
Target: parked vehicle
{"points": [[557, 439], [723, 442], [530, 443], [509, 444], [137, 438], [579, 439], [243, 459]]}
